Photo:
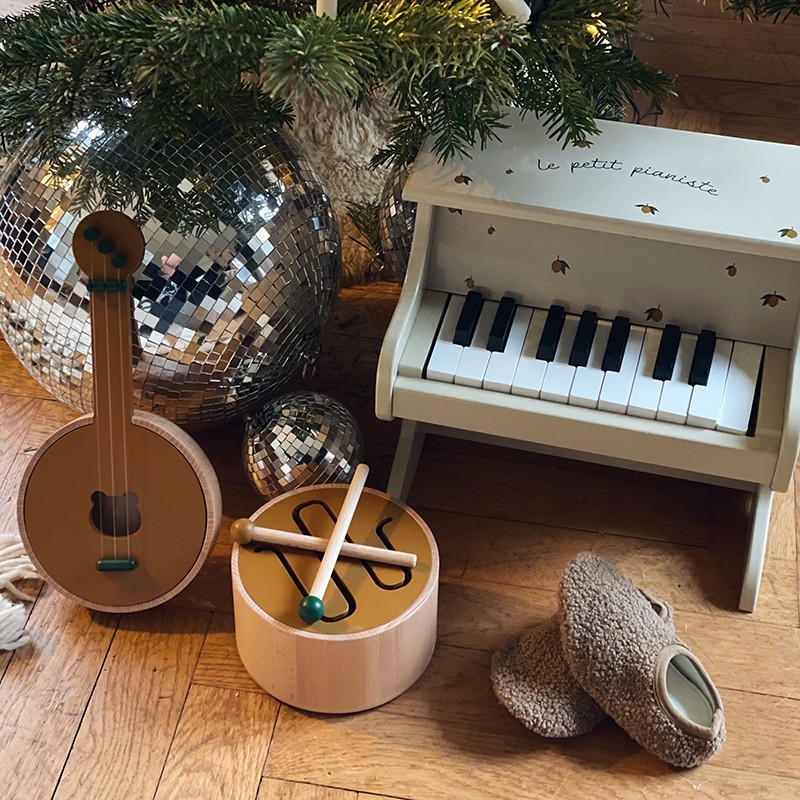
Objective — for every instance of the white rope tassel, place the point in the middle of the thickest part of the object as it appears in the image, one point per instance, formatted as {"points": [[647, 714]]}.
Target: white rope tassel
{"points": [[14, 566]]}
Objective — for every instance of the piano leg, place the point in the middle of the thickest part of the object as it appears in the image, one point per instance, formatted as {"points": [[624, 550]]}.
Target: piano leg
{"points": [[406, 458], [761, 503]]}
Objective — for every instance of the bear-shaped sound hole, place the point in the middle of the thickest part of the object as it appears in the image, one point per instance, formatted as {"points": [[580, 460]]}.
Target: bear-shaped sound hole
{"points": [[116, 515]]}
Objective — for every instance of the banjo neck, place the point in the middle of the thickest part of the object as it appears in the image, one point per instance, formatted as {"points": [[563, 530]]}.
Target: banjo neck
{"points": [[112, 360], [108, 248]]}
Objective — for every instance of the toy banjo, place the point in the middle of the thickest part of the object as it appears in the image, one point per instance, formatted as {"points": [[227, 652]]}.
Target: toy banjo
{"points": [[118, 509]]}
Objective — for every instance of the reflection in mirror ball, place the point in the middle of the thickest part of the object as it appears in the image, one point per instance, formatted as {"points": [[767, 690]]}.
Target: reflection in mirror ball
{"points": [[240, 269]]}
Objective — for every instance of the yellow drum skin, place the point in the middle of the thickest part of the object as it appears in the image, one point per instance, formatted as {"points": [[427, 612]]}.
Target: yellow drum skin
{"points": [[379, 630]]}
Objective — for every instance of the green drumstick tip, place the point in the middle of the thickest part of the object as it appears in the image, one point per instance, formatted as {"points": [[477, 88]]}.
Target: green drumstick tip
{"points": [[311, 609]]}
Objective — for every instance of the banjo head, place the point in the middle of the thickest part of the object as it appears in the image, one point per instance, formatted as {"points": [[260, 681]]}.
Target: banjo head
{"points": [[379, 628], [173, 512]]}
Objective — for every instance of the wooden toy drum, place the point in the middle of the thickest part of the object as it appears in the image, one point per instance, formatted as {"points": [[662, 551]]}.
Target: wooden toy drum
{"points": [[379, 629]]}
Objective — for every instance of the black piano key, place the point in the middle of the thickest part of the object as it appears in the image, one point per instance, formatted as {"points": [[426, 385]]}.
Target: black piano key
{"points": [[667, 352], [468, 320], [617, 342], [584, 336], [703, 356], [551, 333], [498, 335]]}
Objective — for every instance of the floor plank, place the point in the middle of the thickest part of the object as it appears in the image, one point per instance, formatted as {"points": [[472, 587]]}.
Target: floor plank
{"points": [[552, 491], [406, 756], [220, 745], [135, 707], [272, 789], [45, 691], [219, 664]]}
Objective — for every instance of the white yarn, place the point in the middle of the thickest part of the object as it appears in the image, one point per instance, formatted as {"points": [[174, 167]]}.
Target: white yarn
{"points": [[14, 566]]}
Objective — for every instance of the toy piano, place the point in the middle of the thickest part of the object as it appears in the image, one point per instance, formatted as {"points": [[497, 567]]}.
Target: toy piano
{"points": [[632, 303]]}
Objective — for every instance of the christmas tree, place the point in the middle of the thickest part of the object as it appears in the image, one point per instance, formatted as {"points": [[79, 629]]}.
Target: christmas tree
{"points": [[158, 70]]}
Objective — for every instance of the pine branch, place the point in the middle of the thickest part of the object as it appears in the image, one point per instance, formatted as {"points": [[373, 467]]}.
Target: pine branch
{"points": [[451, 67], [779, 10]]}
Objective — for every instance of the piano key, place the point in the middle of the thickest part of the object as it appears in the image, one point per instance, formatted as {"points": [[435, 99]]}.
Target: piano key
{"points": [[423, 335], [703, 355], [551, 333], [646, 390], [467, 322], [501, 327], [559, 374], [740, 387], [617, 385], [579, 357], [772, 396], [667, 352], [446, 355], [707, 399], [530, 370], [588, 381], [617, 342], [475, 358], [677, 392], [502, 366]]}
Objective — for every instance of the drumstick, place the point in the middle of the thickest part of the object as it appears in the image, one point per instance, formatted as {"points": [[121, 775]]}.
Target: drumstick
{"points": [[311, 607], [245, 531]]}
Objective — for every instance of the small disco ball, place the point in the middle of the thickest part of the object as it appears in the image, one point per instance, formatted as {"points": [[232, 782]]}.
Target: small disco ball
{"points": [[396, 219], [240, 269], [299, 439]]}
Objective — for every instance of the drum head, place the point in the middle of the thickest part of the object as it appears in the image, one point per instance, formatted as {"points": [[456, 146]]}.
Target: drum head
{"points": [[361, 596]]}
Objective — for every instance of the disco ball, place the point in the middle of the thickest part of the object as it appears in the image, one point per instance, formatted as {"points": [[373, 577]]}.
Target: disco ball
{"points": [[396, 219], [240, 270], [299, 439]]}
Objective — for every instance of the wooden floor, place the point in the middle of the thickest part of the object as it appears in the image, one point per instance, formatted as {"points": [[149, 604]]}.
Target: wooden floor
{"points": [[157, 705]]}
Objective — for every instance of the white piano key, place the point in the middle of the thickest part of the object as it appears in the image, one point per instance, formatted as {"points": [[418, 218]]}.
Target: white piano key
{"points": [[446, 355], [558, 376], [646, 390], [588, 380], [772, 396], [475, 358], [617, 386], [530, 370], [677, 392], [740, 387], [422, 334], [706, 400], [502, 366]]}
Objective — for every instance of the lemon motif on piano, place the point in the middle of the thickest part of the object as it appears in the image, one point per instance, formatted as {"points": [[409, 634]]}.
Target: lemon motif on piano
{"points": [[654, 314], [491, 229], [731, 269], [470, 283], [462, 178], [647, 208], [789, 233], [764, 179], [772, 299], [559, 265]]}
